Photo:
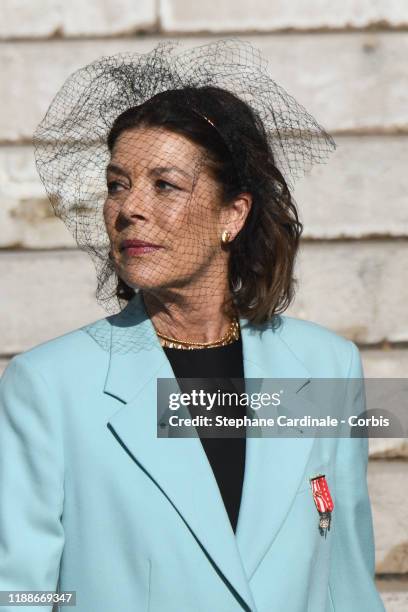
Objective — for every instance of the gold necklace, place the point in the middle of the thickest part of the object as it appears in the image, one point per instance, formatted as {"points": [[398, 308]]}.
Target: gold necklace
{"points": [[230, 336]]}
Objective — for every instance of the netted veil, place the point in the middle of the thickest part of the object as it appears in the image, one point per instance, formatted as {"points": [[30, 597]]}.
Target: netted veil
{"points": [[167, 176]]}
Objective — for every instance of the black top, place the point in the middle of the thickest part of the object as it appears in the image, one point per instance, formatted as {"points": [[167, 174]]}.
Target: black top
{"points": [[225, 455]]}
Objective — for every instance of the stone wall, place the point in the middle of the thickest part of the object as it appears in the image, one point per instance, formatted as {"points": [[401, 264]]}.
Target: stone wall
{"points": [[347, 63]]}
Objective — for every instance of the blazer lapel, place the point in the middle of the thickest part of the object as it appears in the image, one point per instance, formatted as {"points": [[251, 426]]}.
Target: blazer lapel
{"points": [[274, 466], [180, 468]]}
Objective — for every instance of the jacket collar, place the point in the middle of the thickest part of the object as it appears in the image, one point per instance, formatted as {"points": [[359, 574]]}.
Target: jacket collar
{"points": [[273, 466]]}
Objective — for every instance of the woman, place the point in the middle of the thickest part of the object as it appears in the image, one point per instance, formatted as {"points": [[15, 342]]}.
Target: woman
{"points": [[192, 149]]}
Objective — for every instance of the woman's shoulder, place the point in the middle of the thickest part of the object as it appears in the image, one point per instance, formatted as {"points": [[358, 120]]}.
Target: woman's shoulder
{"points": [[292, 327], [72, 350], [315, 344]]}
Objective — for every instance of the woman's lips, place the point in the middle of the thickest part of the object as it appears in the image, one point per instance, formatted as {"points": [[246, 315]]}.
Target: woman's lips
{"points": [[140, 249]]}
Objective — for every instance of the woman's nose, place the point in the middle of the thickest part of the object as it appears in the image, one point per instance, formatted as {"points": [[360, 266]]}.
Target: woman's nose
{"points": [[138, 203]]}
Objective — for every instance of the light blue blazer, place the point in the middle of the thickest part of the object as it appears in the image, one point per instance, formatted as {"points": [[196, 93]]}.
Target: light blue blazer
{"points": [[93, 501]]}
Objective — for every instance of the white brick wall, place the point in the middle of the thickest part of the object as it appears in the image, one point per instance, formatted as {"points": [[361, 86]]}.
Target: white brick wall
{"points": [[39, 19], [346, 62], [359, 82], [267, 15]]}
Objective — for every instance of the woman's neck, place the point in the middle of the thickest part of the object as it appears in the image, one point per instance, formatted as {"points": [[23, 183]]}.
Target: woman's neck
{"points": [[203, 319]]}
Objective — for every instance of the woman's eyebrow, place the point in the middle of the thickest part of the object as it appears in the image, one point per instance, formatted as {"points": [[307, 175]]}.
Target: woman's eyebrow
{"points": [[112, 167], [116, 169], [161, 169]]}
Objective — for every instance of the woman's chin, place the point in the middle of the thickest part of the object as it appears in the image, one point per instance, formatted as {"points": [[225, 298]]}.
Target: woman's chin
{"points": [[145, 282]]}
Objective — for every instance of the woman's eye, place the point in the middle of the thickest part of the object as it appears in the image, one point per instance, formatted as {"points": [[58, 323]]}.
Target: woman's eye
{"points": [[165, 185], [111, 186]]}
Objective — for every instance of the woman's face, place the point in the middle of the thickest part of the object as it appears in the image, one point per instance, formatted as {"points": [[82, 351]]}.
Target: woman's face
{"points": [[161, 192]]}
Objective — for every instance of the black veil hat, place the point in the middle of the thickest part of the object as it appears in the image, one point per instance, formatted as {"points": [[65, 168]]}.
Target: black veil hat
{"points": [[70, 143]]}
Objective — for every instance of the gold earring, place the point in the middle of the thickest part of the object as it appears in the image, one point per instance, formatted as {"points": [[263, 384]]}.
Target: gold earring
{"points": [[225, 236]]}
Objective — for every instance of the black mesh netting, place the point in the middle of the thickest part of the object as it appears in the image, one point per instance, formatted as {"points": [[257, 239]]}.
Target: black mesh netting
{"points": [[162, 121]]}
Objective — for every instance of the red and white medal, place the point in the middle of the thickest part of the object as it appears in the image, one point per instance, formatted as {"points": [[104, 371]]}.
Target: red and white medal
{"points": [[323, 501]]}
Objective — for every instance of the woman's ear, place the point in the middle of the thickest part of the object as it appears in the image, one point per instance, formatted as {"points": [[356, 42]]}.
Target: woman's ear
{"points": [[234, 216]]}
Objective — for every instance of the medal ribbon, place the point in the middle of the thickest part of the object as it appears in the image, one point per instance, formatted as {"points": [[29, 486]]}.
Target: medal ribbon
{"points": [[321, 494]]}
